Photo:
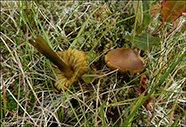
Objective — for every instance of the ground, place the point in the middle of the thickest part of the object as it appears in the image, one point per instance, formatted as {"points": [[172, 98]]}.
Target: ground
{"points": [[28, 95]]}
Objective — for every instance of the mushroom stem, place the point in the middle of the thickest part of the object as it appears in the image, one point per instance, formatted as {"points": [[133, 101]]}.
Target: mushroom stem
{"points": [[126, 77], [42, 46]]}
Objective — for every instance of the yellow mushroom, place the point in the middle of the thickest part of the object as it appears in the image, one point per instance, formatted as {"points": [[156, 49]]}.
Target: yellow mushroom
{"points": [[74, 59], [66, 63]]}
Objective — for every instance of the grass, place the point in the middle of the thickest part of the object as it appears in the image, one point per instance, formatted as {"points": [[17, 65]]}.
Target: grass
{"points": [[28, 96]]}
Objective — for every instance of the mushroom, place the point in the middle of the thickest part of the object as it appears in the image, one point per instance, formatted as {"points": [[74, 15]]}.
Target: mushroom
{"points": [[125, 59], [74, 59], [66, 63]]}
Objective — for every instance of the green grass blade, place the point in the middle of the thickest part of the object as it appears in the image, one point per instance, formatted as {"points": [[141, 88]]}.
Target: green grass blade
{"points": [[162, 78]]}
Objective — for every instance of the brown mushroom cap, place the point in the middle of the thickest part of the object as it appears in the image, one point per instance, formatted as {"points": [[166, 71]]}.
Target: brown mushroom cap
{"points": [[125, 59]]}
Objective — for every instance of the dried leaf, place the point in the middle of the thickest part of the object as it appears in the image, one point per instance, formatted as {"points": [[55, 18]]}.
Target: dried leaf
{"points": [[146, 104], [171, 10], [142, 79]]}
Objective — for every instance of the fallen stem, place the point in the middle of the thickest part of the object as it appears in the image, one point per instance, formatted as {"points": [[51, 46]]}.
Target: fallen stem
{"points": [[42, 46]]}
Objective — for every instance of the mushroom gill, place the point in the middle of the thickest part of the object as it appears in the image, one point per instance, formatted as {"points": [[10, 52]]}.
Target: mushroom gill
{"points": [[66, 63], [74, 59]]}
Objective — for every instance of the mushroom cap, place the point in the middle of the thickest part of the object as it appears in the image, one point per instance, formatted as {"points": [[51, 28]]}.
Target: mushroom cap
{"points": [[75, 59], [125, 59]]}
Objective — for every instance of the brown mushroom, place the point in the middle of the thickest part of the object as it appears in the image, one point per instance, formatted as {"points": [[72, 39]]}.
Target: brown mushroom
{"points": [[125, 59], [66, 63]]}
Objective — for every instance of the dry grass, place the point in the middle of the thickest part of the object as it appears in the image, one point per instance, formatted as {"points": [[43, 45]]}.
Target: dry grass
{"points": [[28, 96]]}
